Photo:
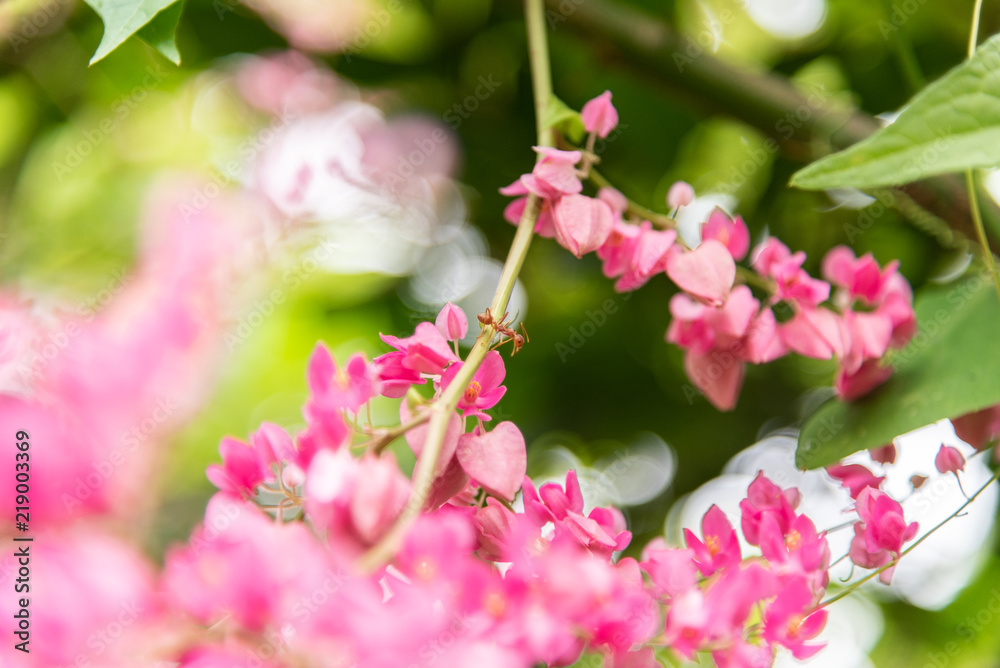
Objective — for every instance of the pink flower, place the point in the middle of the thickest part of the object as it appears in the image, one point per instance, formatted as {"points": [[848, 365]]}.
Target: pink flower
{"points": [[494, 522], [355, 500], [801, 553], [350, 387], [599, 115], [426, 351], [773, 259], [331, 392], [286, 81], [485, 390], [554, 175], [949, 460], [816, 332], [394, 379], [707, 272], [884, 455], [880, 535], [634, 254], [602, 531], [672, 571], [730, 232], [582, 223], [766, 498], [240, 564], [544, 226], [686, 627], [734, 596], [860, 277], [854, 477], [700, 328], [719, 378], [273, 446], [240, 472], [978, 428], [452, 323], [762, 341], [680, 194], [718, 342], [613, 198], [496, 459], [871, 374], [789, 621], [742, 654], [721, 547]]}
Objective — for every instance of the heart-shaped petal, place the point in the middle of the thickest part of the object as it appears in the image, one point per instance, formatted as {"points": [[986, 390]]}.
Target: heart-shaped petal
{"points": [[582, 223], [707, 272], [497, 460]]}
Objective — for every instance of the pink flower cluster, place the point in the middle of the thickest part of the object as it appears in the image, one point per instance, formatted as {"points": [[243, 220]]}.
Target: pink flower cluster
{"points": [[271, 577], [478, 581], [881, 531], [870, 312], [712, 592], [720, 324]]}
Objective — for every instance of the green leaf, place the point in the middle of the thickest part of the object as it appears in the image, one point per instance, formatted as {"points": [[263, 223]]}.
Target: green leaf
{"points": [[123, 18], [566, 121], [950, 368], [950, 126], [161, 32]]}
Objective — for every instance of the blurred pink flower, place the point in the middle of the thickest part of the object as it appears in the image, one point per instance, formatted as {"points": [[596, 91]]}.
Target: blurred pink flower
{"points": [[599, 115]]}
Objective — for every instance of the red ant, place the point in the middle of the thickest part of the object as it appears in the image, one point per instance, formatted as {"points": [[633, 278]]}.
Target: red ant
{"points": [[502, 328]]}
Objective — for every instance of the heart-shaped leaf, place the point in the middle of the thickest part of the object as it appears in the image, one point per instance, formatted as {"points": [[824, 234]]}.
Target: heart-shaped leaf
{"points": [[154, 20]]}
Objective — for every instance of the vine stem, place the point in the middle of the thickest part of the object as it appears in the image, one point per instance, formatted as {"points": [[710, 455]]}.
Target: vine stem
{"points": [[442, 409], [380, 441], [853, 587], [970, 179]]}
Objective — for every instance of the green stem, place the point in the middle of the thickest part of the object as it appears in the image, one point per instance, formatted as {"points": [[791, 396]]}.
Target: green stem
{"points": [[442, 409], [977, 220], [974, 33], [636, 209], [853, 587], [970, 180], [381, 441]]}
